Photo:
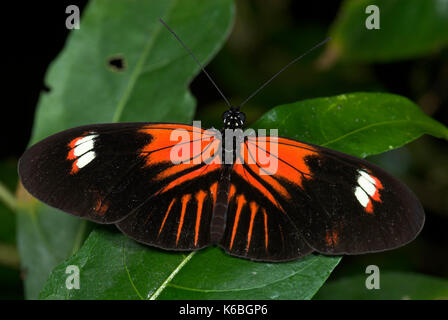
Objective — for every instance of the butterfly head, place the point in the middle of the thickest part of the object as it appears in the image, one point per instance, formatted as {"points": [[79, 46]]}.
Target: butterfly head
{"points": [[233, 118]]}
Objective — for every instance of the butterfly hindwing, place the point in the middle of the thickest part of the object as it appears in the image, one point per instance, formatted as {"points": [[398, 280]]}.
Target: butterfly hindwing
{"points": [[178, 219], [257, 228]]}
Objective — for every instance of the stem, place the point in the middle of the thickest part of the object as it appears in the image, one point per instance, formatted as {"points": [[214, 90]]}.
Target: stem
{"points": [[9, 256], [7, 197]]}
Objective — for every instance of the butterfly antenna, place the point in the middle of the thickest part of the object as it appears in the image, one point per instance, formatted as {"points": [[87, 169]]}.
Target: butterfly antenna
{"points": [[197, 61], [283, 69]]}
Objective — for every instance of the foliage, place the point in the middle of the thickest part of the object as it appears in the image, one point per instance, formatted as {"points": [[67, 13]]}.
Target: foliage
{"points": [[421, 29], [153, 86]]}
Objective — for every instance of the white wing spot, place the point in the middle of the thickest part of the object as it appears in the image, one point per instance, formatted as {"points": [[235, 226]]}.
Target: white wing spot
{"points": [[362, 197], [85, 159], [367, 176], [82, 148], [88, 138], [367, 185]]}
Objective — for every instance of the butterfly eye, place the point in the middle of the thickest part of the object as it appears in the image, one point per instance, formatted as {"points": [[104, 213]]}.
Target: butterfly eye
{"points": [[225, 115], [242, 116]]}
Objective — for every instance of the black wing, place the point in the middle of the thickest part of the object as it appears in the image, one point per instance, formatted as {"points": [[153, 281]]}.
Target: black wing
{"points": [[122, 173]]}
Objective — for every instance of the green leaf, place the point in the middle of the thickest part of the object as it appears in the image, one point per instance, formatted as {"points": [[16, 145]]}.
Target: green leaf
{"points": [[85, 88], [8, 182], [361, 124], [408, 29], [45, 238], [114, 267], [393, 285]]}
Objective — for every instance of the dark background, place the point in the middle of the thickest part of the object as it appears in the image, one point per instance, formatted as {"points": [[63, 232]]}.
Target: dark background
{"points": [[265, 37]]}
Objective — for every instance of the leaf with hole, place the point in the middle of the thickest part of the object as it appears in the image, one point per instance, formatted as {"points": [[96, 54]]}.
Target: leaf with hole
{"points": [[151, 86]]}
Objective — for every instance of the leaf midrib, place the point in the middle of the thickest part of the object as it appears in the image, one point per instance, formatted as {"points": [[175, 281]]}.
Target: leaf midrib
{"points": [[139, 66], [377, 124], [120, 107], [249, 288]]}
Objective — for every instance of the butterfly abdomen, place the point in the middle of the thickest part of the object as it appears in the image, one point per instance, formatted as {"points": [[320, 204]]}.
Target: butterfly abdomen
{"points": [[219, 215]]}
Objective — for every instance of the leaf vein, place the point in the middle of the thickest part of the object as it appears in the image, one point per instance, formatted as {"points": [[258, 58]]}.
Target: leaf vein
{"points": [[297, 272], [371, 126], [127, 271]]}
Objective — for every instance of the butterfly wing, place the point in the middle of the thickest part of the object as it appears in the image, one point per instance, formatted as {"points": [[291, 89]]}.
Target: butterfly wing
{"points": [[365, 209], [304, 198], [109, 173], [316, 199], [257, 225]]}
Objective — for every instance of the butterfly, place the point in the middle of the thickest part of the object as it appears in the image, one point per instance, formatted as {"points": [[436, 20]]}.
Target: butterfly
{"points": [[180, 187]]}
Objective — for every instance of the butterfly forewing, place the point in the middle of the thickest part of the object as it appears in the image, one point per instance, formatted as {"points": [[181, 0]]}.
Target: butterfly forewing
{"points": [[105, 172], [87, 171], [363, 208]]}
